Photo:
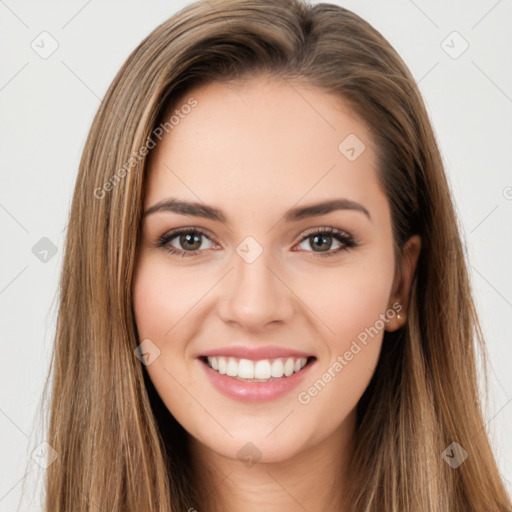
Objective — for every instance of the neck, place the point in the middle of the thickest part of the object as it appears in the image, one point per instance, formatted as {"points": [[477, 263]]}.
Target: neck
{"points": [[313, 479]]}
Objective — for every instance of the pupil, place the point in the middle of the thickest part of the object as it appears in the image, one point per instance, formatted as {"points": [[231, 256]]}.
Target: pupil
{"points": [[190, 239]]}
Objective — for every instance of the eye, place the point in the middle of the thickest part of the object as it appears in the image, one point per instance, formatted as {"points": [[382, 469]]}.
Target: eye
{"points": [[189, 241], [321, 238]]}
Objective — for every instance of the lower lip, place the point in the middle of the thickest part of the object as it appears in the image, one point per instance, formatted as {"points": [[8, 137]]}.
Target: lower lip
{"points": [[255, 391]]}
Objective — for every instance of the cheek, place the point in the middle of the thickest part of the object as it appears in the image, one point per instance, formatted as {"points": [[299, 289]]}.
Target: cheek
{"points": [[162, 298], [349, 300], [352, 305], [166, 303], [162, 302], [362, 299]]}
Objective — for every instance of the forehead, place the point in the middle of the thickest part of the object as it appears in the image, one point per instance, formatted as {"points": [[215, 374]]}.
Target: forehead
{"points": [[263, 143]]}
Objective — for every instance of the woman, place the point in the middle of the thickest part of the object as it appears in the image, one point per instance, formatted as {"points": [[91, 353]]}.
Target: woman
{"points": [[264, 301]]}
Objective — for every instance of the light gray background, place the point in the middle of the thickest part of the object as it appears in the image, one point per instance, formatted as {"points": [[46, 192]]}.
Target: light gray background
{"points": [[47, 106]]}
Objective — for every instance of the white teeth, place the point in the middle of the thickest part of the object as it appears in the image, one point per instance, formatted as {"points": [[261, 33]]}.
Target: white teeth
{"points": [[232, 370], [222, 363], [277, 368], [263, 369], [245, 369], [288, 367]]}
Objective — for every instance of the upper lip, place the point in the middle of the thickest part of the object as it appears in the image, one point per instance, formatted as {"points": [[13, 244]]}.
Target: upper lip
{"points": [[255, 354]]}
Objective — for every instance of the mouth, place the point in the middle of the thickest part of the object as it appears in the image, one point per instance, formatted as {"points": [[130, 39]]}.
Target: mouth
{"points": [[262, 370]]}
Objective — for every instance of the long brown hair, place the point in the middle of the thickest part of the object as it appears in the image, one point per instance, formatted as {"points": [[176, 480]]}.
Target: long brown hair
{"points": [[118, 446]]}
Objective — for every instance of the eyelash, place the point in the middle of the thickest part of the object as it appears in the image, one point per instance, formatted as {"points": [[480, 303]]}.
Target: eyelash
{"points": [[343, 237]]}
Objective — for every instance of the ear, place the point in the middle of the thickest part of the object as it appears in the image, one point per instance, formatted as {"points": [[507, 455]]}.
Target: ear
{"points": [[403, 281]]}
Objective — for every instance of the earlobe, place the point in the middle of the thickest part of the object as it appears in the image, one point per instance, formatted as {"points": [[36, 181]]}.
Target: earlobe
{"points": [[403, 282], [397, 321]]}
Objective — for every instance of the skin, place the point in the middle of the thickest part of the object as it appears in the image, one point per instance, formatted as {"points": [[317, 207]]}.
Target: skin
{"points": [[254, 150]]}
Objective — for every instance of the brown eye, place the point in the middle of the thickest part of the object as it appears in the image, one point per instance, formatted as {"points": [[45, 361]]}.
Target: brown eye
{"points": [[190, 241], [184, 242], [321, 241]]}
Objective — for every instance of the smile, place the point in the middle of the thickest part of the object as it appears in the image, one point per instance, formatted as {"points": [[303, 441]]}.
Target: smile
{"points": [[262, 370], [251, 380]]}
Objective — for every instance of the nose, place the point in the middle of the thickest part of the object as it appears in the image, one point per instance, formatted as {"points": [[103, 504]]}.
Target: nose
{"points": [[255, 296]]}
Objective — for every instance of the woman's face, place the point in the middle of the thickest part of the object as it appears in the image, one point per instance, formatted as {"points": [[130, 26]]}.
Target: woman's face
{"points": [[260, 287]]}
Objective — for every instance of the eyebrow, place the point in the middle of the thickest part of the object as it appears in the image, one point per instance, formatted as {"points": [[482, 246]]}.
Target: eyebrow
{"points": [[205, 211]]}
